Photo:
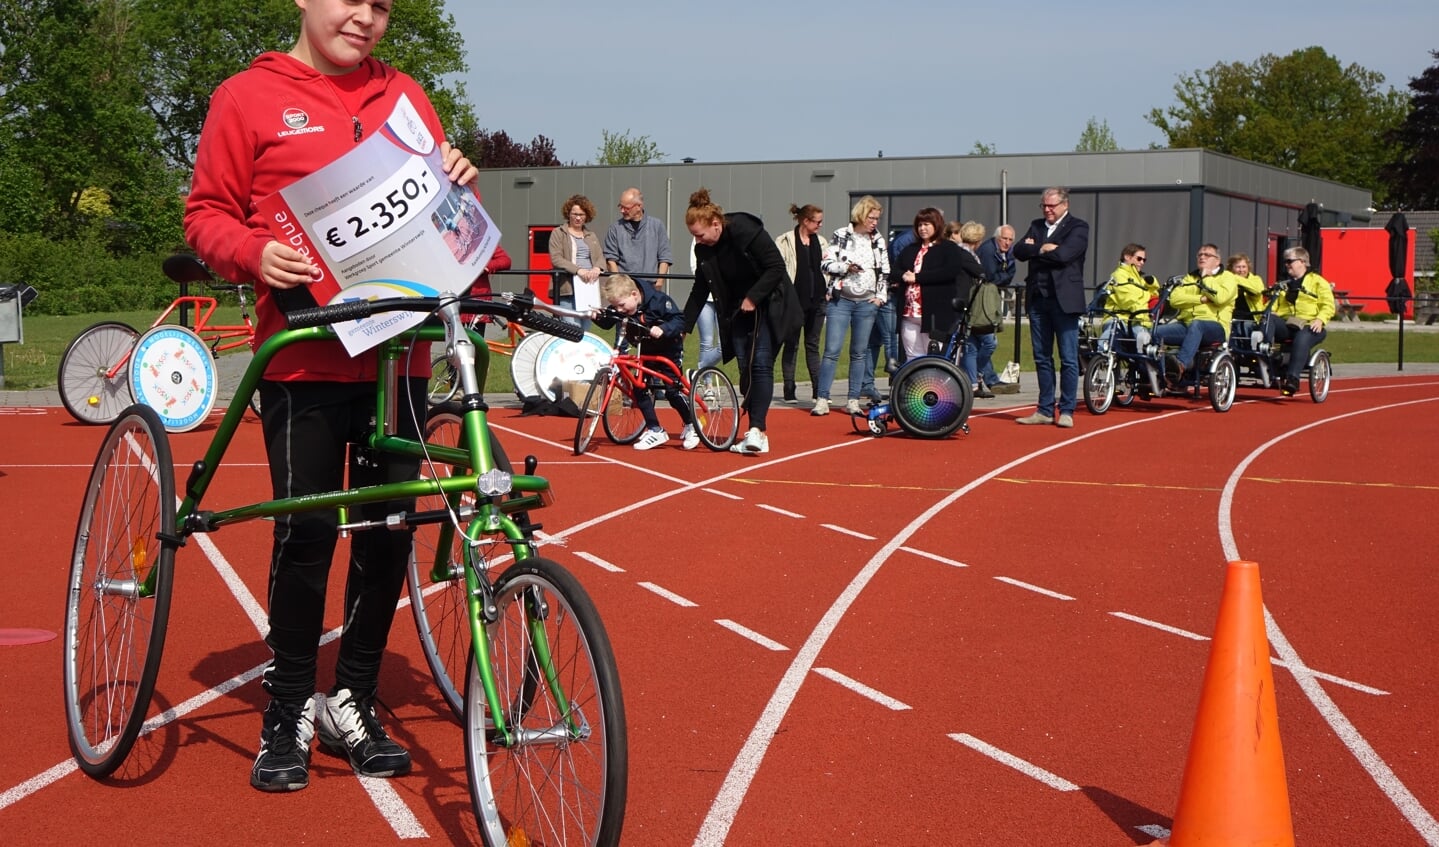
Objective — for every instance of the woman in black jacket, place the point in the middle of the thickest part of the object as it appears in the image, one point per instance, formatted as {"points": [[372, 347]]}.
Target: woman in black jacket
{"points": [[926, 271], [739, 264]]}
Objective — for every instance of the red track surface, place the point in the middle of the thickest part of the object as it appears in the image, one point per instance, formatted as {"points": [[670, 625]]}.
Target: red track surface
{"points": [[992, 639]]}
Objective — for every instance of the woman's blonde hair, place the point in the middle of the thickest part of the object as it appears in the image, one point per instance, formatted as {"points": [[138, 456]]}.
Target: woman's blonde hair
{"points": [[863, 208], [971, 232], [703, 210]]}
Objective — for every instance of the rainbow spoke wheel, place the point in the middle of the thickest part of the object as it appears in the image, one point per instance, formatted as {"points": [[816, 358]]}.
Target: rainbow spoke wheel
{"points": [[930, 397]]}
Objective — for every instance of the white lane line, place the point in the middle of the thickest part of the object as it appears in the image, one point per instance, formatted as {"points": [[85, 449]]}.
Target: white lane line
{"points": [[241, 592], [1154, 831], [1030, 770], [38, 781], [718, 493], [383, 794], [722, 812], [1194, 636], [1035, 588], [942, 560], [1172, 630], [778, 511], [1383, 776], [863, 690], [746, 632], [848, 532], [599, 563], [668, 595]]}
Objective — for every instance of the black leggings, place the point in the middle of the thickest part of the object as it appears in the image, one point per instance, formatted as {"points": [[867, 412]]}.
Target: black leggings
{"points": [[309, 427]]}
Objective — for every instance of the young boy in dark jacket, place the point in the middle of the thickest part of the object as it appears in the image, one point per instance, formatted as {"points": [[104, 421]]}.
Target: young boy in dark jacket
{"points": [[657, 326]]}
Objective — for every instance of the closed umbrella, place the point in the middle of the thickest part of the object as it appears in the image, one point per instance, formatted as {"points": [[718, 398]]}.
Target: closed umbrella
{"points": [[1398, 291], [1309, 236]]}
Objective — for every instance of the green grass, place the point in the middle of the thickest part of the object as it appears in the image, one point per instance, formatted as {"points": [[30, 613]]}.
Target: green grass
{"points": [[35, 363]]}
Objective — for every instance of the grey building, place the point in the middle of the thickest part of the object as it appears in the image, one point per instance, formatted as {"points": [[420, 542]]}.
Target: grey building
{"points": [[1171, 201]]}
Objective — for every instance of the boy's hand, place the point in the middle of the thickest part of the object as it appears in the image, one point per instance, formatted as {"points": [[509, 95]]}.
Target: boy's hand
{"points": [[656, 332]]}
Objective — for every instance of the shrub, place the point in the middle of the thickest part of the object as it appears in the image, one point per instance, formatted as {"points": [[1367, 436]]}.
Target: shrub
{"points": [[76, 277]]}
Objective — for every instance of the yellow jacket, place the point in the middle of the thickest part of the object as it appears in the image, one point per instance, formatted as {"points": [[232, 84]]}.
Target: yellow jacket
{"points": [[1252, 288], [1129, 294], [1196, 304], [1315, 300]]}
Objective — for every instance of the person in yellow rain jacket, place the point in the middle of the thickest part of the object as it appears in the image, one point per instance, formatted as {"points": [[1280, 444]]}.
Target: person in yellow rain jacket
{"points": [[1249, 306], [1205, 302], [1305, 306], [1127, 296]]}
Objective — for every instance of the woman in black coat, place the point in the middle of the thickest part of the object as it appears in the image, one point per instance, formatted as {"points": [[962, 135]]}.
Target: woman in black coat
{"points": [[739, 264], [926, 272]]}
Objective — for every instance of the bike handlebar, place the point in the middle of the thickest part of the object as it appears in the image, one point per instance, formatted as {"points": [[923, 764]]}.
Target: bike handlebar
{"points": [[520, 308]]}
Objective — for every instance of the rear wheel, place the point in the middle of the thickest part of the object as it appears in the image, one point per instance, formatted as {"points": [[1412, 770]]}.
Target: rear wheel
{"points": [[436, 578], [1320, 374], [930, 397], [559, 773], [117, 606], [1223, 382], [1099, 384], [716, 408], [87, 393]]}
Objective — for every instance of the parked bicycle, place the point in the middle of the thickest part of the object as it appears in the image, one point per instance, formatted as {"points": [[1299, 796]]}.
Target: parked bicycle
{"points": [[171, 368], [610, 398], [535, 683]]}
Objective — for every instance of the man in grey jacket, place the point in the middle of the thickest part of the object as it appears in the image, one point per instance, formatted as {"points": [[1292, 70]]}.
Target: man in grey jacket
{"points": [[638, 244]]}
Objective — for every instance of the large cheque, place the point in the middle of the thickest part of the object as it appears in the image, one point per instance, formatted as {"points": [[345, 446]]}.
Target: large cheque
{"points": [[384, 221]]}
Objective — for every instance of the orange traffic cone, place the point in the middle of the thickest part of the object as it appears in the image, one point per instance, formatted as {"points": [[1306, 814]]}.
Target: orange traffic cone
{"points": [[1234, 791]]}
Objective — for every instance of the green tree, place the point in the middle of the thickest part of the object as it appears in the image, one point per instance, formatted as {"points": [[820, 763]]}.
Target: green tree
{"points": [[1096, 138], [192, 48], [618, 148], [1304, 112], [1412, 177], [982, 149], [73, 120]]}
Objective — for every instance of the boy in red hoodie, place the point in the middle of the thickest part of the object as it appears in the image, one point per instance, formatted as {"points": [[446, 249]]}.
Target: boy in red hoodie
{"points": [[285, 117]]}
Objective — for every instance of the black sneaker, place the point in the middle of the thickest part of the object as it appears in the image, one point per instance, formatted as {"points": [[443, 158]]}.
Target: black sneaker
{"points": [[1291, 386], [347, 726], [283, 763]]}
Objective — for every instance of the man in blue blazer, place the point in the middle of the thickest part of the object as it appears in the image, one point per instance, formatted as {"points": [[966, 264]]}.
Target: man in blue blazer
{"points": [[1054, 248]]}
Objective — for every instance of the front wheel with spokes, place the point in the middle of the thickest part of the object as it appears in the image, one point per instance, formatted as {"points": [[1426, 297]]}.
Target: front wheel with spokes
{"points": [[117, 603], [1320, 373], [1223, 382], [602, 392], [436, 577], [557, 771], [716, 408], [1099, 384]]}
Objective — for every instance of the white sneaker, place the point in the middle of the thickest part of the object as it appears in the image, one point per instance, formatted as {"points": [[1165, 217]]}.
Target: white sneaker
{"points": [[651, 439], [754, 443], [689, 439], [853, 407], [821, 406]]}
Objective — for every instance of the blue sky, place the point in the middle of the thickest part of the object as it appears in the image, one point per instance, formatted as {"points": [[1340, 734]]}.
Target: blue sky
{"points": [[742, 80]]}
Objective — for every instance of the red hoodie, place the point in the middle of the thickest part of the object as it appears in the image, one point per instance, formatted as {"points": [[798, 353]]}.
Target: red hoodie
{"points": [[268, 126]]}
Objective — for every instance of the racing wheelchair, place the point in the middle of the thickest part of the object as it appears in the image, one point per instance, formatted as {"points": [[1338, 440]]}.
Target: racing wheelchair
{"points": [[929, 396]]}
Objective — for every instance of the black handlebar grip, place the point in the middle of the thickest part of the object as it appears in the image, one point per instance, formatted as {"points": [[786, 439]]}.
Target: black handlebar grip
{"points": [[352, 310], [553, 326]]}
